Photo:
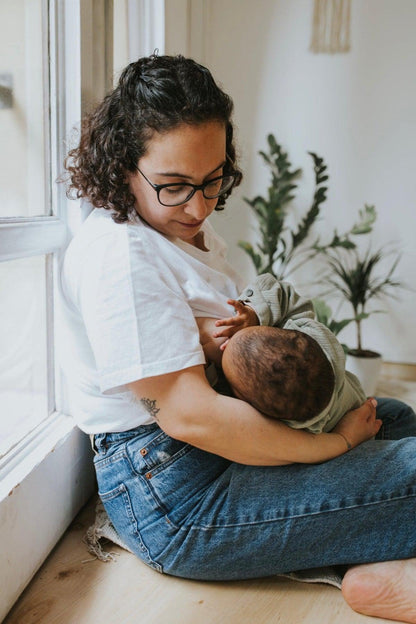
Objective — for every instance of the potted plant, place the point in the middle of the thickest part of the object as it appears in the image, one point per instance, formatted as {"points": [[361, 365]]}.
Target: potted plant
{"points": [[282, 250], [280, 245], [324, 315], [358, 279]]}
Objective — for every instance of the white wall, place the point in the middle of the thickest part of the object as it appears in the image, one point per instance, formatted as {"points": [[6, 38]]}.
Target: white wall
{"points": [[357, 110]]}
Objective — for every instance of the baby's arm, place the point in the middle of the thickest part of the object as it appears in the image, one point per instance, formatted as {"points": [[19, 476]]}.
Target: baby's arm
{"points": [[214, 340], [275, 301], [244, 316], [264, 302]]}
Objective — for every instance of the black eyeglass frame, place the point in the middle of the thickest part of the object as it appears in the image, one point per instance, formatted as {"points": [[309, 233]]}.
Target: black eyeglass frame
{"points": [[195, 187]]}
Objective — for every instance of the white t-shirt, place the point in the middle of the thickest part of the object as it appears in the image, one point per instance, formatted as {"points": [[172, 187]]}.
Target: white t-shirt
{"points": [[128, 302]]}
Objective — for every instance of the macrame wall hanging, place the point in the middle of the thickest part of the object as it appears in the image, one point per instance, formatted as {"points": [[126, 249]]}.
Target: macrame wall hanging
{"points": [[331, 26]]}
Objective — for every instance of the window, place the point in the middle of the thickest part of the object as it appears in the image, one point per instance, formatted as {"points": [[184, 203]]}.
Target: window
{"points": [[23, 348], [45, 463], [30, 232], [56, 59], [23, 114]]}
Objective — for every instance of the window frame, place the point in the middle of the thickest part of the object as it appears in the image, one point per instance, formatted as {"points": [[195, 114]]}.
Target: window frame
{"points": [[48, 475]]}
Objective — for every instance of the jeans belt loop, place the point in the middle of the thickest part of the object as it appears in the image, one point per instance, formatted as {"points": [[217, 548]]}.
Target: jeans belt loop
{"points": [[92, 436]]}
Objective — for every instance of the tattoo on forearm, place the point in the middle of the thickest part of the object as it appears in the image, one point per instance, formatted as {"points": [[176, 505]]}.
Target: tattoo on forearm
{"points": [[150, 406]]}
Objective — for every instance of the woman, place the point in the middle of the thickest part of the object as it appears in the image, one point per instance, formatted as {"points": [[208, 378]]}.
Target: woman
{"points": [[199, 484]]}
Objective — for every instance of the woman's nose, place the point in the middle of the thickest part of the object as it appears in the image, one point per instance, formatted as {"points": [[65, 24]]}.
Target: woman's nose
{"points": [[198, 207]]}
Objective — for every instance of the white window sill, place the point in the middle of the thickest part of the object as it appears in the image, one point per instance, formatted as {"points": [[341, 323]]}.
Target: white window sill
{"points": [[44, 482], [31, 451]]}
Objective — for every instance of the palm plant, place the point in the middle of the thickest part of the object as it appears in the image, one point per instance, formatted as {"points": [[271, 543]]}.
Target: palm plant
{"points": [[353, 278]]}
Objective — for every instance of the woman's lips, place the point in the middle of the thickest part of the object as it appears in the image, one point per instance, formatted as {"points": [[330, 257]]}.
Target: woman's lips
{"points": [[194, 224]]}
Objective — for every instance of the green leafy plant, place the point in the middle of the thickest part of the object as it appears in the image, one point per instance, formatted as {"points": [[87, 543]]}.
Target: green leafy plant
{"points": [[279, 244], [354, 278], [323, 313], [367, 217]]}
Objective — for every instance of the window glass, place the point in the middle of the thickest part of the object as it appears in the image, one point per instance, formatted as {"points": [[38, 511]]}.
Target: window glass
{"points": [[23, 348], [22, 109]]}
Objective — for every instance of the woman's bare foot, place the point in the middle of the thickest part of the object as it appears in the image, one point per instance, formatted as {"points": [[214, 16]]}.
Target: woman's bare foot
{"points": [[386, 590]]}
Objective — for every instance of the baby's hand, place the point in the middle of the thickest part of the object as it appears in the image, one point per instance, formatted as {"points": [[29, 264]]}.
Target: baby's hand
{"points": [[360, 424], [244, 317]]}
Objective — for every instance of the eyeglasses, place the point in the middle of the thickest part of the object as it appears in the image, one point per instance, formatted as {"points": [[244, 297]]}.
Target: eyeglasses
{"points": [[179, 192]]}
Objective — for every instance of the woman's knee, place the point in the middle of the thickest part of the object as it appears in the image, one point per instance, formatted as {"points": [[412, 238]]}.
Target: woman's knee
{"points": [[399, 419]]}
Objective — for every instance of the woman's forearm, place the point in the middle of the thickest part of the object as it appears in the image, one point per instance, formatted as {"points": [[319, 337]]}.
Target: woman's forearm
{"points": [[233, 429], [189, 410]]}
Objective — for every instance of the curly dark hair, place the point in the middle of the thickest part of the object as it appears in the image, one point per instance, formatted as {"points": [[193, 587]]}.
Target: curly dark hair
{"points": [[154, 94]]}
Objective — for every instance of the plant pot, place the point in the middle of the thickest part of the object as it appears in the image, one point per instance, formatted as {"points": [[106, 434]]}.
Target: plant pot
{"points": [[366, 367]]}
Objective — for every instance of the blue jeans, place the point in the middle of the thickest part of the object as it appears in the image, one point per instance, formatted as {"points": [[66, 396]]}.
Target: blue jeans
{"points": [[192, 514]]}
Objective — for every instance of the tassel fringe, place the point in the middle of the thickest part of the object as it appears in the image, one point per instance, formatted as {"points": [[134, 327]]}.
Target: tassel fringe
{"points": [[101, 531], [331, 26]]}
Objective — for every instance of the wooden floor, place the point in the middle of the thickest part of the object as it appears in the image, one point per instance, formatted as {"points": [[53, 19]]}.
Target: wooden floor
{"points": [[73, 588]]}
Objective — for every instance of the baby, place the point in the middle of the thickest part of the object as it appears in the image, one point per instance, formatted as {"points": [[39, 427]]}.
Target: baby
{"points": [[293, 371]]}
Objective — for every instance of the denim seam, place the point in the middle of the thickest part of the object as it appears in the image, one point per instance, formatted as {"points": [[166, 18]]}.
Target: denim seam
{"points": [[152, 493], [105, 461], [123, 455], [111, 494], [285, 518], [157, 440], [162, 466], [145, 554]]}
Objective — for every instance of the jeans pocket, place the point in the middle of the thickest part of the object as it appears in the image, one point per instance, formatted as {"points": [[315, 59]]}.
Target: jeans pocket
{"points": [[118, 505], [151, 456], [176, 474]]}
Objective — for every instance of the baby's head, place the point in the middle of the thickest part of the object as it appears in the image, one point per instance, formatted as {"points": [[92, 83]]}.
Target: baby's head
{"points": [[283, 373]]}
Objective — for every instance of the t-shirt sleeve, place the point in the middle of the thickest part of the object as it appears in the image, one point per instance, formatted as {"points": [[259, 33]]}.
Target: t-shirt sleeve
{"points": [[136, 316]]}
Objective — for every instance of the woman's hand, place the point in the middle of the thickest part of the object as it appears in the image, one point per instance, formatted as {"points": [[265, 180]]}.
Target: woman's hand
{"points": [[211, 345], [359, 425], [244, 317]]}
